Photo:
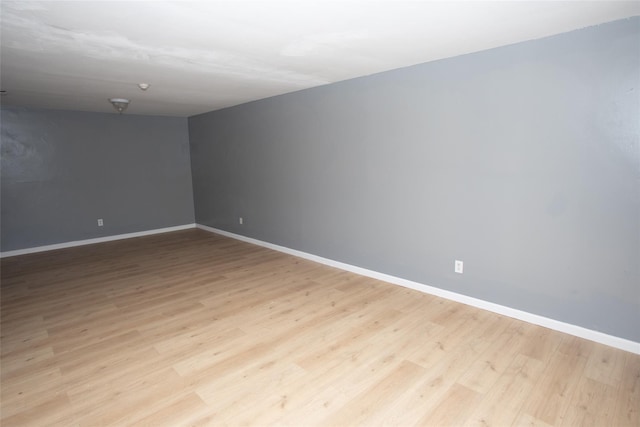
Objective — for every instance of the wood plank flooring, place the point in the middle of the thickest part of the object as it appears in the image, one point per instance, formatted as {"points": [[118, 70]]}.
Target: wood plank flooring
{"points": [[192, 328]]}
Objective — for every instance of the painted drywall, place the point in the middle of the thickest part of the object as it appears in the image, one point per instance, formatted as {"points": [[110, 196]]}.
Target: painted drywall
{"points": [[62, 170], [522, 161]]}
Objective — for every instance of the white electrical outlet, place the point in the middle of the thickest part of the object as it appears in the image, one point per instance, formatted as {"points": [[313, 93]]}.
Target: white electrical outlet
{"points": [[240, 220], [458, 266], [100, 222]]}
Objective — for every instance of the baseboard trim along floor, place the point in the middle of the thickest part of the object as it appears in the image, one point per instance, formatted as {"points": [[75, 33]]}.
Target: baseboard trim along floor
{"points": [[94, 240], [535, 319]]}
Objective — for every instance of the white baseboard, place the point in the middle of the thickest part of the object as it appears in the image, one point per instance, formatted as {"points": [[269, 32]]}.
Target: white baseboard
{"points": [[568, 328], [92, 241]]}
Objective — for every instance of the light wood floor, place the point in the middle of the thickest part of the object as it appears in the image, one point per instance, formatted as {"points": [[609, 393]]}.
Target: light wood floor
{"points": [[191, 328]]}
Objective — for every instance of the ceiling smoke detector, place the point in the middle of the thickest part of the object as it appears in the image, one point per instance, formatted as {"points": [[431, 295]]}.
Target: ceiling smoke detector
{"points": [[143, 86], [120, 104]]}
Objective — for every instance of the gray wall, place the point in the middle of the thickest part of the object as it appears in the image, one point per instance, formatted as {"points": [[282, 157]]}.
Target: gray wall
{"points": [[522, 161], [62, 170]]}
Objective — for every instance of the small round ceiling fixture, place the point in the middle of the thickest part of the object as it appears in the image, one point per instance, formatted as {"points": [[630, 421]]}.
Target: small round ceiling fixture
{"points": [[120, 104], [143, 86]]}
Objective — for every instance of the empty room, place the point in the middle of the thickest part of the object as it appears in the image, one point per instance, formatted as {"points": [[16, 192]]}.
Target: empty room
{"points": [[320, 213]]}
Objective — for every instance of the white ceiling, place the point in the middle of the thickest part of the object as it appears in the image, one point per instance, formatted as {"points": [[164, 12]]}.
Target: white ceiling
{"points": [[200, 56]]}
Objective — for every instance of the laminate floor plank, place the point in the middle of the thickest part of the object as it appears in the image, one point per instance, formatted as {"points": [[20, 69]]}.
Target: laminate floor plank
{"points": [[195, 329]]}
